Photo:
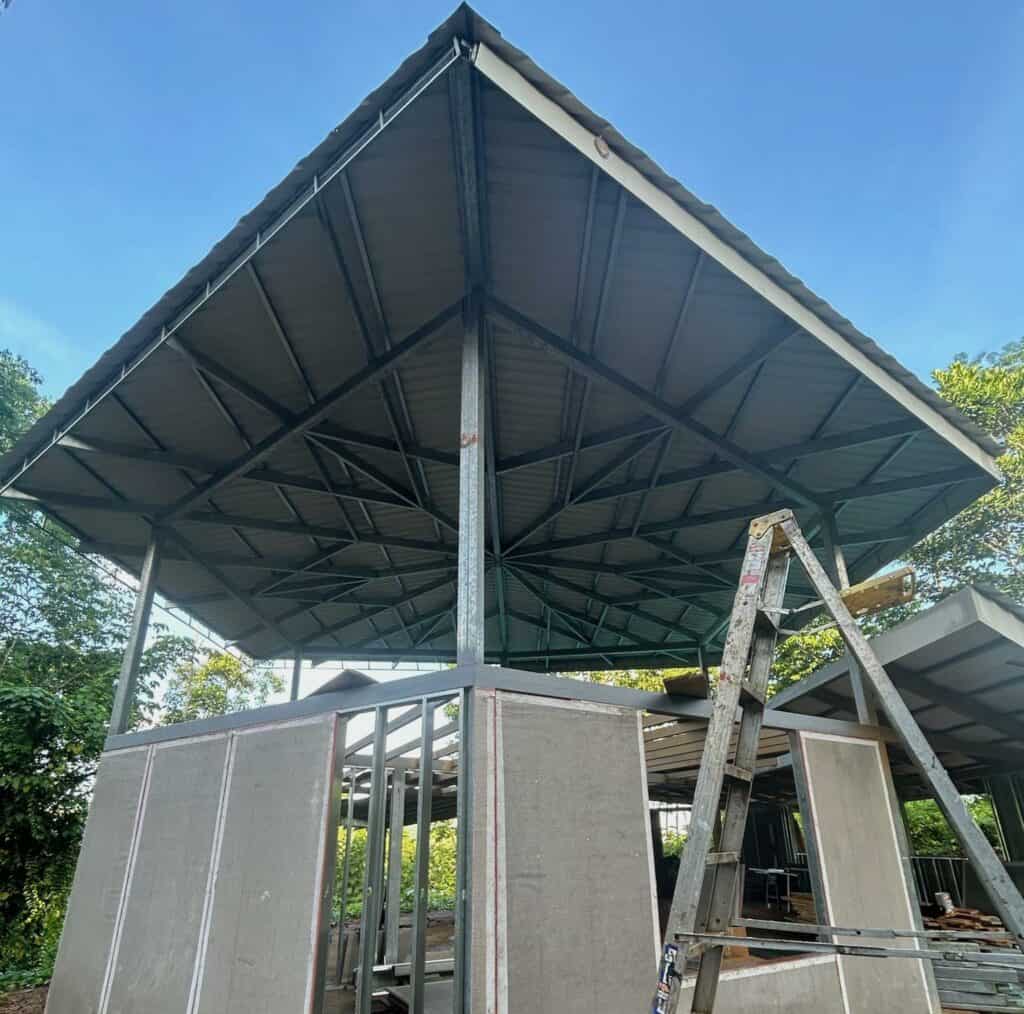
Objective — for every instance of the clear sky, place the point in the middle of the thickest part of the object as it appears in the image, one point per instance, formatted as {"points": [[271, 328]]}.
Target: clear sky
{"points": [[876, 149]]}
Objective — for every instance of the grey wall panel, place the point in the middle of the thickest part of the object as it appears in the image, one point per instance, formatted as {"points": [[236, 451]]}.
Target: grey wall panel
{"points": [[162, 920], [861, 867], [265, 908], [99, 878], [572, 923], [804, 986]]}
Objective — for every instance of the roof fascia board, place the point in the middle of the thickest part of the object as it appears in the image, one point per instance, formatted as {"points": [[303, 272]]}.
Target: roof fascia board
{"points": [[513, 84]]}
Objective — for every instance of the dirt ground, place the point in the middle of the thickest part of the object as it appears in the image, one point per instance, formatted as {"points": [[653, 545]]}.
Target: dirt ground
{"points": [[24, 1001]]}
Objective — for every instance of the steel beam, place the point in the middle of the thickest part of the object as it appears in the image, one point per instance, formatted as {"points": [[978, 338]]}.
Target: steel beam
{"points": [[757, 355], [124, 695], [564, 448], [371, 372], [669, 414]]}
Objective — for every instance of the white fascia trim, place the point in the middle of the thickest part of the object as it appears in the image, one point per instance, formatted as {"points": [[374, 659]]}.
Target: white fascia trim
{"points": [[510, 81]]}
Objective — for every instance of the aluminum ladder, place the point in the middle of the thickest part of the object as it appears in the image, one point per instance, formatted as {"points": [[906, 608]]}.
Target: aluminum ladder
{"points": [[742, 685]]}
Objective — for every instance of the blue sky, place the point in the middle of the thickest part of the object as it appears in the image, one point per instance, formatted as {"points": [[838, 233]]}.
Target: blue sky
{"points": [[876, 149]]}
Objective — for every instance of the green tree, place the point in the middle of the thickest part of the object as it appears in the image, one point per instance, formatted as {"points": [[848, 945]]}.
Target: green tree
{"points": [[63, 624], [652, 680], [441, 876], [220, 684], [931, 835], [983, 544]]}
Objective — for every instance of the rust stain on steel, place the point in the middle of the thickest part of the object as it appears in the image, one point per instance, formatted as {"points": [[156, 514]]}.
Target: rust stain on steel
{"points": [[469, 439]]}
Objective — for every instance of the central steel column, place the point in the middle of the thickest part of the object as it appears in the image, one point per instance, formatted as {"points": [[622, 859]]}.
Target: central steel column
{"points": [[124, 695], [296, 676], [470, 621]]}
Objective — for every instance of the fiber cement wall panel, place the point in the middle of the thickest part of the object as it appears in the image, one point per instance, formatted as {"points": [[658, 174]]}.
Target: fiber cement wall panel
{"points": [[852, 822], [81, 964], [563, 909], [264, 918], [199, 884], [804, 986], [159, 939]]}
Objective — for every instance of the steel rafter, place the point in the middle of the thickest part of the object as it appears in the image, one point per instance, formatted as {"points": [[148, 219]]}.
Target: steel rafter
{"points": [[593, 345], [303, 421], [261, 238], [623, 458], [564, 448], [669, 414]]}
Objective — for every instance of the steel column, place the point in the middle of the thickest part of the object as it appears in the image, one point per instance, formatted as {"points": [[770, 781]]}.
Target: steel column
{"points": [[470, 621], [374, 872], [124, 695], [396, 826], [350, 807], [422, 876], [296, 676]]}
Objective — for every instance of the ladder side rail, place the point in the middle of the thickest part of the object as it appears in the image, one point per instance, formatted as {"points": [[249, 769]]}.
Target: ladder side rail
{"points": [[705, 813], [993, 875], [711, 774], [726, 882]]}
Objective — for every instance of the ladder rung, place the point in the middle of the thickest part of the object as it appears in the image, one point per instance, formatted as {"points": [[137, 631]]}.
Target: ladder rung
{"points": [[738, 774], [722, 858], [749, 694]]}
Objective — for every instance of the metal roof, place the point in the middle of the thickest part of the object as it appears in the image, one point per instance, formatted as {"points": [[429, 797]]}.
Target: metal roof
{"points": [[960, 668], [289, 410]]}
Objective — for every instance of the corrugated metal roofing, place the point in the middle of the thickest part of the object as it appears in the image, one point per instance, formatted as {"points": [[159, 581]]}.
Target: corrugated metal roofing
{"points": [[619, 536]]}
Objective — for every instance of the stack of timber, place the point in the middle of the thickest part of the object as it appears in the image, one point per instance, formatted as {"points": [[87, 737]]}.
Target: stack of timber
{"points": [[966, 920]]}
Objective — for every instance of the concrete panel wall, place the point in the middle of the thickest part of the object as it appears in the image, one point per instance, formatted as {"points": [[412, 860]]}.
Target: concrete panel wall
{"points": [[563, 907], [199, 881], [855, 845], [156, 955], [265, 913], [81, 966], [804, 986]]}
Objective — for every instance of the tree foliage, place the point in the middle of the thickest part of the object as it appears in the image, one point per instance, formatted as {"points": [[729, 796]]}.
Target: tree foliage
{"points": [[219, 684], [983, 544], [931, 834], [63, 624], [441, 877]]}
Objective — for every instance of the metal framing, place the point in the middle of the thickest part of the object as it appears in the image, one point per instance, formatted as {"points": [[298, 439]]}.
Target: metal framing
{"points": [[124, 696], [319, 580]]}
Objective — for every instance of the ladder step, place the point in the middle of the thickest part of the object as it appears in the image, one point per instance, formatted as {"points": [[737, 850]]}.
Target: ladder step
{"points": [[738, 774], [751, 695], [722, 858]]}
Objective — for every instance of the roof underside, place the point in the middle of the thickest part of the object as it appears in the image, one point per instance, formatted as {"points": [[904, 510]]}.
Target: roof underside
{"points": [[960, 668], [295, 424]]}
